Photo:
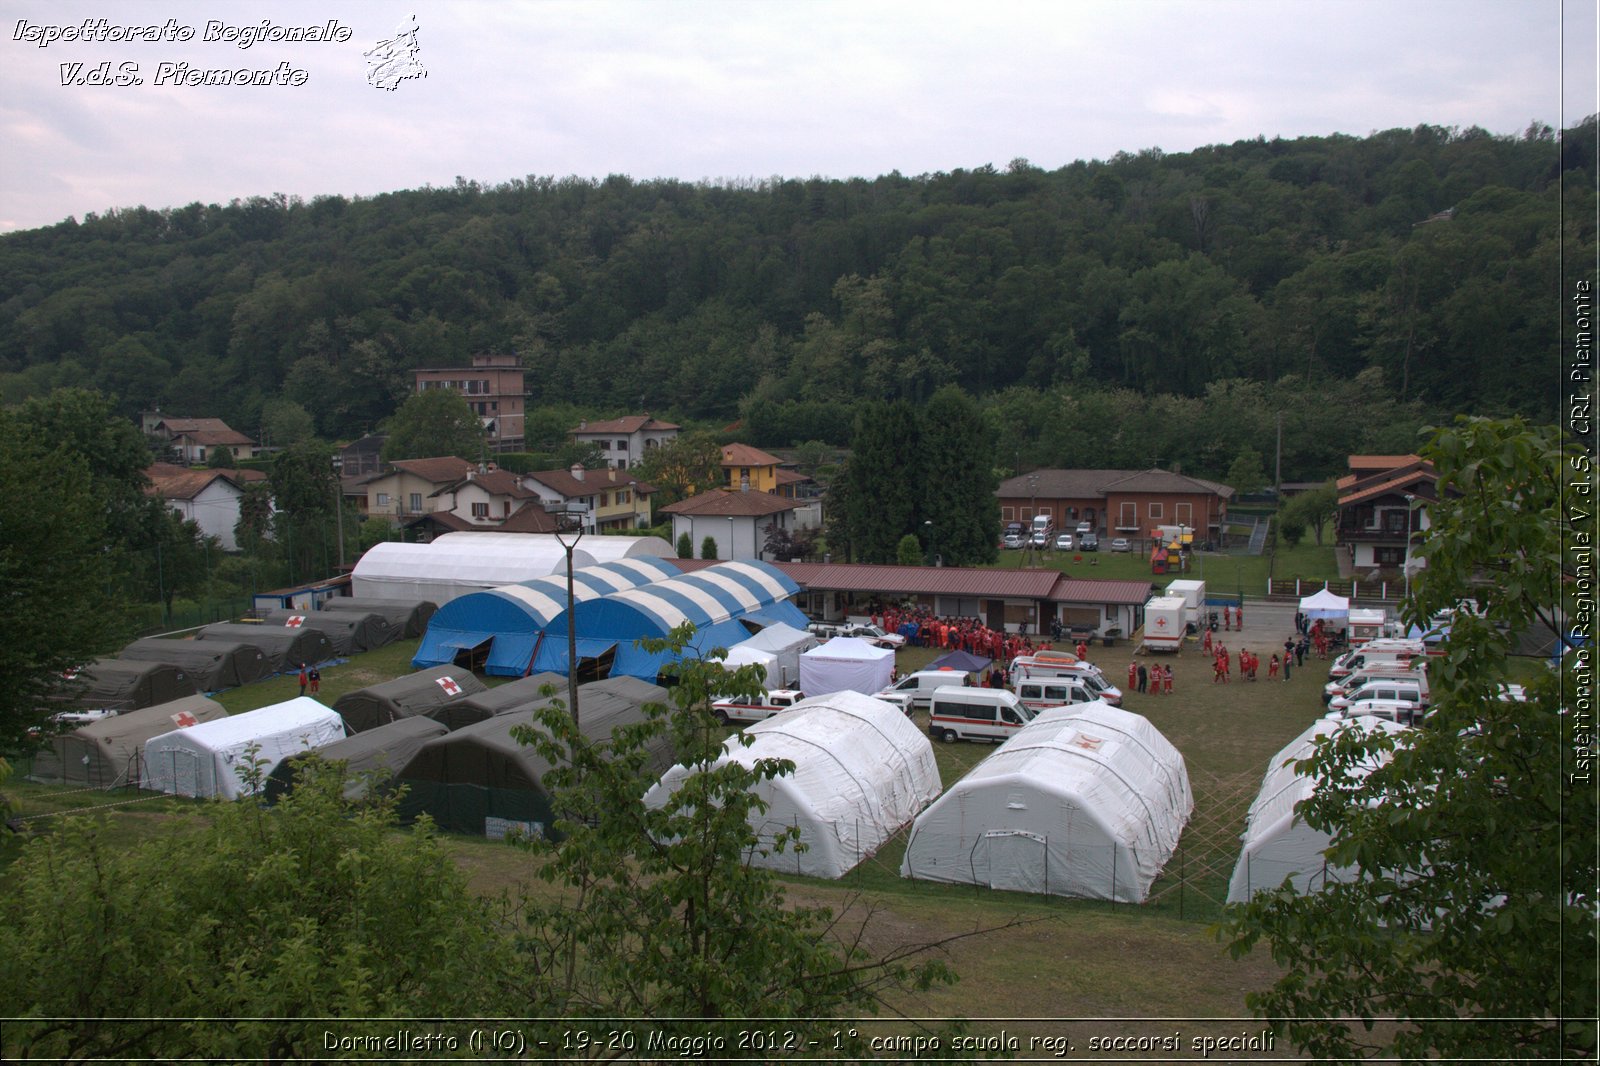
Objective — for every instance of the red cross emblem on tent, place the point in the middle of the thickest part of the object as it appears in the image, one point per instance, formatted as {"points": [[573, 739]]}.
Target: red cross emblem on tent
{"points": [[295, 621], [449, 686], [185, 719]]}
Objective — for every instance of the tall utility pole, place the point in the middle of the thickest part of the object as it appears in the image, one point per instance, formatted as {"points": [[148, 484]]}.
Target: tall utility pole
{"points": [[1277, 462]]}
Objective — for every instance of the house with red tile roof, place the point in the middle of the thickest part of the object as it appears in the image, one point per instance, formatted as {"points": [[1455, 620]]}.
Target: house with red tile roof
{"points": [[625, 441], [1129, 503], [611, 498], [192, 440], [483, 499], [209, 498], [1383, 510], [409, 487], [737, 520]]}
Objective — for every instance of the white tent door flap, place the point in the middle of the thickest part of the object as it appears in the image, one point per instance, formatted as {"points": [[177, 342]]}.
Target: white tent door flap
{"points": [[1016, 861]]}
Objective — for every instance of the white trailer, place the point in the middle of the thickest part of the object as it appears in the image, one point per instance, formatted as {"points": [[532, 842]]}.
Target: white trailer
{"points": [[1194, 599], [1368, 624], [1163, 624]]}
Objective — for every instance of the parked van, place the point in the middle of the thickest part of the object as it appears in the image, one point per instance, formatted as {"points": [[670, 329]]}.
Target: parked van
{"points": [[1374, 652], [1064, 665], [1401, 712], [976, 714], [1415, 670], [913, 691], [1052, 692], [1412, 691]]}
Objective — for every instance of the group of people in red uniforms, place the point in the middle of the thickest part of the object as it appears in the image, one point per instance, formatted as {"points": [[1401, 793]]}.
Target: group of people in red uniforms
{"points": [[924, 629], [1155, 679]]}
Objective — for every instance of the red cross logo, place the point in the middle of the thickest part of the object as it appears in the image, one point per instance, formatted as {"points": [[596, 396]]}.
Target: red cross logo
{"points": [[295, 621], [449, 686], [1161, 623], [185, 719]]}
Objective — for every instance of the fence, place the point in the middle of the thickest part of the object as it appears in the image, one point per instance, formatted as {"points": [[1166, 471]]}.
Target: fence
{"points": [[1380, 590]]}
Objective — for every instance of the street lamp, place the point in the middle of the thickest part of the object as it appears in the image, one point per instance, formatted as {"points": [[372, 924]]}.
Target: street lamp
{"points": [[929, 524], [1411, 502], [569, 530]]}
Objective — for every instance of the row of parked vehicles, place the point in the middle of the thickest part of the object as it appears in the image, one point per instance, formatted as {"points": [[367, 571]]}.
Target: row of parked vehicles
{"points": [[957, 710]]}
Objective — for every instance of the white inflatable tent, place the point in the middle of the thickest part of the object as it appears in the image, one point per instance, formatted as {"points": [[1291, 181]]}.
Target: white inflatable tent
{"points": [[210, 759], [1086, 801], [846, 664], [1278, 844], [862, 771]]}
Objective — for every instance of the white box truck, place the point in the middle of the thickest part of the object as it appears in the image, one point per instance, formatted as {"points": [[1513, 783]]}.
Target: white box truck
{"points": [[1194, 600], [1163, 624]]}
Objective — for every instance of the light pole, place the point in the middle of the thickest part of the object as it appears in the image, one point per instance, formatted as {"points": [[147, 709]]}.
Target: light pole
{"points": [[569, 530], [1411, 502], [928, 523]]}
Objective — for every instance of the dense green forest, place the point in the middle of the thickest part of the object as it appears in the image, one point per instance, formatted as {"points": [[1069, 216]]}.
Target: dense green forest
{"points": [[1409, 272]]}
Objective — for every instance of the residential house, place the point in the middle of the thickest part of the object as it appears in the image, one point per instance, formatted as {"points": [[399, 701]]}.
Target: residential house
{"points": [[1127, 503], [750, 468], [1383, 510], [493, 387], [625, 441], [612, 498], [408, 487], [361, 457], [209, 498], [193, 440], [737, 521], [484, 498]]}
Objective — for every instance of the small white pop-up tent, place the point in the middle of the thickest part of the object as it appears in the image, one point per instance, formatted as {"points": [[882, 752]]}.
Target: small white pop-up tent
{"points": [[788, 644], [862, 771], [743, 654], [1326, 605], [1277, 842], [1087, 800], [846, 664], [213, 758]]}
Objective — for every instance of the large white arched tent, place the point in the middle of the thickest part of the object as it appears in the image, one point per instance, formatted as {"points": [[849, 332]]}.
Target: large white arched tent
{"points": [[215, 758], [506, 623], [455, 564], [1278, 844], [862, 771], [1085, 801], [725, 603]]}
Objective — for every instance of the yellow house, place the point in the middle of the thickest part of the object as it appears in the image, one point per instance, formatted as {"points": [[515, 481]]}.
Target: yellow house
{"points": [[743, 464]]}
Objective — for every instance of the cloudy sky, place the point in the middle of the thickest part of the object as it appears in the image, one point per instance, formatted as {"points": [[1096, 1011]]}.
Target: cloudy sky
{"points": [[725, 90]]}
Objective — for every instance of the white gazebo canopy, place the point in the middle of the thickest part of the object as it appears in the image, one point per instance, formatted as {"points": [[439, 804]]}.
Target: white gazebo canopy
{"points": [[1325, 605]]}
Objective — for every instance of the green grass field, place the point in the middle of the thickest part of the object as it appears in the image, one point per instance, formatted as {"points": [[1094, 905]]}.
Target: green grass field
{"points": [[1041, 957]]}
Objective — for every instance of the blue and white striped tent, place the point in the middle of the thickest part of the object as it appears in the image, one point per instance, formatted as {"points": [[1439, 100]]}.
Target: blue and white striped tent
{"points": [[726, 603], [511, 618]]}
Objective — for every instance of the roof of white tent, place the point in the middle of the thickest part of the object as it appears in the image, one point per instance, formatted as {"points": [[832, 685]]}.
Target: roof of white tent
{"points": [[781, 636], [853, 648], [600, 549], [745, 655], [1284, 786], [1324, 604], [519, 557]]}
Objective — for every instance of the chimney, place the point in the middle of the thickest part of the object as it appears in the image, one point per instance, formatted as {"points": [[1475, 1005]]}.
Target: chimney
{"points": [[577, 471], [611, 473]]}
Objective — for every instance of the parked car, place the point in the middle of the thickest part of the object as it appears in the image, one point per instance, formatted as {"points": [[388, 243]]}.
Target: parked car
{"points": [[1088, 542], [1063, 542], [1041, 540], [1012, 540], [1120, 544], [730, 709], [873, 635]]}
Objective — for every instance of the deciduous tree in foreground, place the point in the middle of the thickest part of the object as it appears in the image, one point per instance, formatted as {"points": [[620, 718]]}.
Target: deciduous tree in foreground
{"points": [[1469, 932]]}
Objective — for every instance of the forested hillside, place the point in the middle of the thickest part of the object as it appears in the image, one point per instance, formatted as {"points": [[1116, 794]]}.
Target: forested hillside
{"points": [[1270, 271]]}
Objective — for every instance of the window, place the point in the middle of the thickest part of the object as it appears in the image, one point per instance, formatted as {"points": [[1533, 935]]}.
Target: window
{"points": [[605, 499], [383, 499], [1045, 511], [605, 445], [622, 445], [1389, 556], [624, 496], [480, 510], [1008, 514], [1155, 511], [1183, 513], [1128, 516], [416, 502]]}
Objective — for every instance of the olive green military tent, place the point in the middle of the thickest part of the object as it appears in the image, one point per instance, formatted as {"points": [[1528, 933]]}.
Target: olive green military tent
{"points": [[121, 685], [408, 618], [213, 664], [414, 694], [481, 780], [350, 632], [370, 758], [106, 754], [511, 697], [285, 648]]}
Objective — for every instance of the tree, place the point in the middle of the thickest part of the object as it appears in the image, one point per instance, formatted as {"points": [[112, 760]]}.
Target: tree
{"points": [[1246, 473], [221, 458], [958, 480], [708, 548], [284, 422], [882, 480], [690, 463], [909, 551], [661, 915], [305, 491], [1313, 508], [685, 545], [431, 424], [1470, 915], [329, 912], [58, 576]]}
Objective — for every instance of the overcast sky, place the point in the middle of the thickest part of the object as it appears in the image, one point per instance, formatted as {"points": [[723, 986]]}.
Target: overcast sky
{"points": [[718, 89]]}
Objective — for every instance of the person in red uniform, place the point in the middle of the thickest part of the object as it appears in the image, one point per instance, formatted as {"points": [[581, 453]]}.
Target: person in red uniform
{"points": [[1166, 679], [1083, 651]]}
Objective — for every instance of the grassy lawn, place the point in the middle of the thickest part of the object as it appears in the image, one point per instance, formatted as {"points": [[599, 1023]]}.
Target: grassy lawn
{"points": [[1038, 957]]}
